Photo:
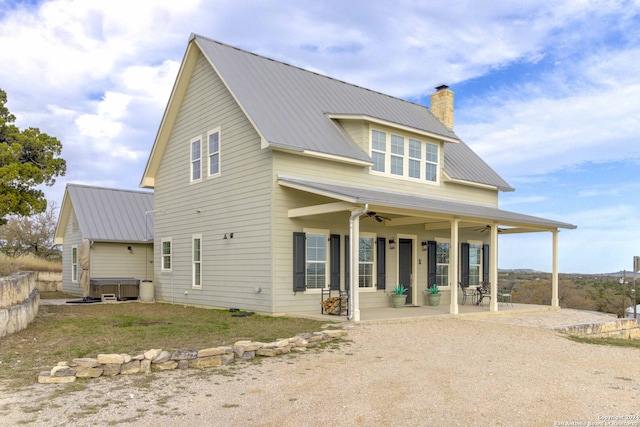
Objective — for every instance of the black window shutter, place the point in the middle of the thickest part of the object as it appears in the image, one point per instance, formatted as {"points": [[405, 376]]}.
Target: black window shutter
{"points": [[299, 262], [485, 263], [347, 267], [431, 262], [464, 263], [334, 254], [381, 262]]}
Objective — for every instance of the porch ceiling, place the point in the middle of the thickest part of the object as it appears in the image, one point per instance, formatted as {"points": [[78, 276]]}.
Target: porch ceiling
{"points": [[408, 209]]}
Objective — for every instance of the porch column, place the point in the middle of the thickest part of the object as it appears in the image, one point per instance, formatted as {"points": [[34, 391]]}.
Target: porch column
{"points": [[453, 266], [493, 267], [555, 302], [354, 243]]}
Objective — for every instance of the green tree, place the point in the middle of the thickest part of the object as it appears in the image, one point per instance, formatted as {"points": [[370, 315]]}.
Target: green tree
{"points": [[28, 158]]}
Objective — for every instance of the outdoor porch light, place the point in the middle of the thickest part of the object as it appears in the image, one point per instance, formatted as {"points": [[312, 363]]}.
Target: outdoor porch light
{"points": [[392, 243], [228, 236], [424, 245]]}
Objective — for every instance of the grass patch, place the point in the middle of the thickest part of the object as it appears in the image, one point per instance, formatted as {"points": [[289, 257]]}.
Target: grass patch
{"points": [[9, 265], [65, 332], [617, 342]]}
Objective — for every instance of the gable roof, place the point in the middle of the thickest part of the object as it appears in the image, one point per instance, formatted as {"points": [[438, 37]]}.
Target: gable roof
{"points": [[294, 109], [106, 214]]}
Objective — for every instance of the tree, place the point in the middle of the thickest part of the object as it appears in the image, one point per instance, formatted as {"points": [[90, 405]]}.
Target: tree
{"points": [[28, 159], [30, 235]]}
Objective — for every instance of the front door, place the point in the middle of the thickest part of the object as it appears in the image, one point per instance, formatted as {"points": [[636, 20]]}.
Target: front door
{"points": [[405, 266]]}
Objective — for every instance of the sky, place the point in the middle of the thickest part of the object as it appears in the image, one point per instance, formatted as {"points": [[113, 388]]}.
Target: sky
{"points": [[547, 93]]}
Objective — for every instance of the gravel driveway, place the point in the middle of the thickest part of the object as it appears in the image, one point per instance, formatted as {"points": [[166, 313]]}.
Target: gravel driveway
{"points": [[430, 372]]}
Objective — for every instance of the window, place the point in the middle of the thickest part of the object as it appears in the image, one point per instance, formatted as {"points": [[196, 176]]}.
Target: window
{"points": [[214, 152], [166, 254], [397, 155], [316, 256], [197, 261], [378, 150], [366, 259], [475, 263], [196, 168], [415, 158], [442, 264], [432, 162], [74, 263]]}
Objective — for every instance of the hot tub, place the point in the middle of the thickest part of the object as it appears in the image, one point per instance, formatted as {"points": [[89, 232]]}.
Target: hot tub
{"points": [[124, 288]]}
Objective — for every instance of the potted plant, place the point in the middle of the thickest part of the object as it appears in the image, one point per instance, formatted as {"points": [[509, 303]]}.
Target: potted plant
{"points": [[398, 296], [434, 295]]}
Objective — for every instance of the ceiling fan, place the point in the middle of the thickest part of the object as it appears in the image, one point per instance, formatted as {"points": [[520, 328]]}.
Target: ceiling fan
{"points": [[486, 228], [377, 217]]}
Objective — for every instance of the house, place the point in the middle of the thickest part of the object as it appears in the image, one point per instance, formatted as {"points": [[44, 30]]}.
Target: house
{"points": [[105, 234], [274, 184]]}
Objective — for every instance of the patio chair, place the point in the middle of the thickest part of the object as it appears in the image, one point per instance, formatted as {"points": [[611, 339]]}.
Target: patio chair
{"points": [[484, 291], [467, 291], [505, 296]]}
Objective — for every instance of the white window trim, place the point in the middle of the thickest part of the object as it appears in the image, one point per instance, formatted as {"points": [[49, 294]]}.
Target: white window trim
{"points": [[374, 270], [405, 168], [449, 275], [162, 255], [193, 262], [480, 271], [74, 271], [327, 277], [191, 161], [216, 174]]}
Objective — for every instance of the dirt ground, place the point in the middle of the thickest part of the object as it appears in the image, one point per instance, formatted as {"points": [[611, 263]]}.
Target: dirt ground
{"points": [[428, 372]]}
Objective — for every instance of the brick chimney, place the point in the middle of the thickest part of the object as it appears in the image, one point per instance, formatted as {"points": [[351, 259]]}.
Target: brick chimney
{"points": [[442, 105]]}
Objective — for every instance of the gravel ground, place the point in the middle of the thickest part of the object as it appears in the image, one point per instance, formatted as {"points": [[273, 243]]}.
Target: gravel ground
{"points": [[427, 372]]}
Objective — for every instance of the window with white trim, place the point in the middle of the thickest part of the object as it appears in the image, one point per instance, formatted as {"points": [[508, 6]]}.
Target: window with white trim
{"points": [[405, 156], [442, 263], [317, 257], [366, 261], [196, 159], [196, 261], [213, 138], [165, 245], [74, 263]]}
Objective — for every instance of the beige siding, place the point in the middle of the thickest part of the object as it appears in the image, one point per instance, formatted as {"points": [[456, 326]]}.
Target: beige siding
{"points": [[72, 237], [110, 260], [238, 201]]}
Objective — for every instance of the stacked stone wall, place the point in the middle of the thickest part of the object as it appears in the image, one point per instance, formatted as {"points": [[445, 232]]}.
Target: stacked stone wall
{"points": [[49, 281], [19, 302], [108, 365]]}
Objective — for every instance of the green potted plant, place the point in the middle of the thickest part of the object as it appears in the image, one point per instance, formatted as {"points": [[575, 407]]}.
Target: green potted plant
{"points": [[399, 296], [434, 295]]}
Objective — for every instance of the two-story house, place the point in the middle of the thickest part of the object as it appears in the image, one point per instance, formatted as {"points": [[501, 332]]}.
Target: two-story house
{"points": [[272, 183]]}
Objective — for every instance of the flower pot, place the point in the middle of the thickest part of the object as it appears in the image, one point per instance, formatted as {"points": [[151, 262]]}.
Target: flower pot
{"points": [[434, 299], [398, 301]]}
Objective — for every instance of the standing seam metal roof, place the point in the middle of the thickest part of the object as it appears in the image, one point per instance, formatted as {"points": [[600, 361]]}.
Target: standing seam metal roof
{"points": [[289, 107], [112, 215]]}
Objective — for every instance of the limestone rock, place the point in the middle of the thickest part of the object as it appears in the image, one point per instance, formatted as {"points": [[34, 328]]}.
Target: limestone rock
{"points": [[63, 371], [184, 355], [266, 352], [132, 367], [46, 378], [126, 358], [227, 358], [111, 369], [89, 372], [86, 362], [152, 354], [162, 357], [215, 351], [184, 363], [164, 366], [145, 366], [110, 359], [206, 362]]}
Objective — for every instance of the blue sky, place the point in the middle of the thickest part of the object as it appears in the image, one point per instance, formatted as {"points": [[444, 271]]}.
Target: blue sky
{"points": [[548, 93]]}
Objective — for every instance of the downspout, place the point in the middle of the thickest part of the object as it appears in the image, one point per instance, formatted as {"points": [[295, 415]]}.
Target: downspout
{"points": [[352, 247]]}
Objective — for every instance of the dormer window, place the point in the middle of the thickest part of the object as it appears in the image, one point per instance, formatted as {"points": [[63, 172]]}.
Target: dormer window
{"points": [[400, 156]]}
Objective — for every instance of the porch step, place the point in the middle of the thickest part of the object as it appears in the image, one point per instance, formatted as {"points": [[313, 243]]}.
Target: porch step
{"points": [[108, 297], [615, 328]]}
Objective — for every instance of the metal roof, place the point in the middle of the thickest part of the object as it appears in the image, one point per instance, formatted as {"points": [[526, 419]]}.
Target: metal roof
{"points": [[110, 215], [397, 200], [291, 108]]}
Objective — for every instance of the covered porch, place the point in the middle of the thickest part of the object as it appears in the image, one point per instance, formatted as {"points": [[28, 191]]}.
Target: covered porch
{"points": [[395, 212]]}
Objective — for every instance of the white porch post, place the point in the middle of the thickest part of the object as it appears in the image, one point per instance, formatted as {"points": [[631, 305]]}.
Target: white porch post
{"points": [[493, 267], [555, 302], [453, 266], [354, 243]]}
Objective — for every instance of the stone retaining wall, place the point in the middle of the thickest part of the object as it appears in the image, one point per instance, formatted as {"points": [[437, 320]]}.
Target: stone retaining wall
{"points": [[19, 302], [162, 360], [48, 281], [614, 328]]}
